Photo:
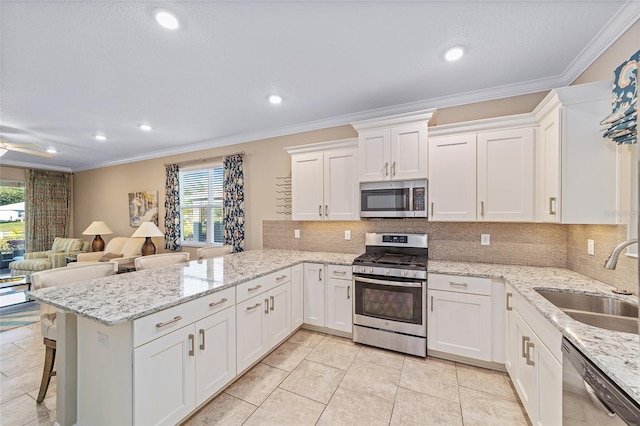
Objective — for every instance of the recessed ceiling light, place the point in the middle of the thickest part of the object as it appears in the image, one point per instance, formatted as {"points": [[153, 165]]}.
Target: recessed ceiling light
{"points": [[145, 127], [275, 99], [100, 138], [52, 151], [454, 53], [166, 19]]}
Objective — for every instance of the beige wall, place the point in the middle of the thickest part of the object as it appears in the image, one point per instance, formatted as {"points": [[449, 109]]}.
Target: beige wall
{"points": [[12, 173], [102, 194]]}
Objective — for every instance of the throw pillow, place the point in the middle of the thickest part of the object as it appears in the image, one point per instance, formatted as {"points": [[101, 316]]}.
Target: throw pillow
{"points": [[108, 256]]}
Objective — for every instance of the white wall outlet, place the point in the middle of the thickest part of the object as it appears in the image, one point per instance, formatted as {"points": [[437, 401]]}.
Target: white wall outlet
{"points": [[591, 247], [296, 233], [103, 340], [485, 239], [347, 235]]}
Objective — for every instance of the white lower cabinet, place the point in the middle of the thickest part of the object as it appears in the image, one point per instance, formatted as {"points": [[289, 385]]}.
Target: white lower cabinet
{"points": [[297, 296], [314, 294], [178, 371], [262, 322], [533, 361], [339, 302]]}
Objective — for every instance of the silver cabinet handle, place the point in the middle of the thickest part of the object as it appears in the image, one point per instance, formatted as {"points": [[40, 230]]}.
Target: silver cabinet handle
{"points": [[529, 345], [266, 306], [320, 210], [254, 288], [192, 345], [393, 169], [552, 200], [432, 208], [458, 284], [319, 274], [386, 169], [431, 303], [482, 208], [163, 324], [251, 308], [524, 346], [339, 272], [212, 304], [272, 302], [281, 277], [509, 296], [202, 339], [326, 210], [348, 292]]}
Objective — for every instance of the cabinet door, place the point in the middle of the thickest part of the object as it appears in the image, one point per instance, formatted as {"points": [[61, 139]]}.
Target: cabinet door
{"points": [[339, 305], [374, 155], [548, 174], [452, 177], [549, 385], [279, 316], [297, 296], [216, 353], [524, 377], [409, 157], [341, 200], [314, 294], [505, 175], [307, 186], [164, 378], [252, 331], [460, 324], [511, 337]]}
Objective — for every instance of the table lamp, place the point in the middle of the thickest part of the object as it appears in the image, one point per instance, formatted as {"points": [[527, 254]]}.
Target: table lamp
{"points": [[148, 230], [97, 228]]}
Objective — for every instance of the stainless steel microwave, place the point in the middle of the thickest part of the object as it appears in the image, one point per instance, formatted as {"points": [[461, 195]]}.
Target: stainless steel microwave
{"points": [[404, 198]]}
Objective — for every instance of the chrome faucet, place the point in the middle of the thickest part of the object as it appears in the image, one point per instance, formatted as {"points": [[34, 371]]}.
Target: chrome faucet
{"points": [[612, 261]]}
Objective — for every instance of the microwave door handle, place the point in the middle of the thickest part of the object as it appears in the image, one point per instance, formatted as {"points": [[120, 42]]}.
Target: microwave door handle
{"points": [[410, 199]]}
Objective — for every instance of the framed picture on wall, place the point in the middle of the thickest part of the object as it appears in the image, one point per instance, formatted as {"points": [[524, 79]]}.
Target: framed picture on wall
{"points": [[143, 207]]}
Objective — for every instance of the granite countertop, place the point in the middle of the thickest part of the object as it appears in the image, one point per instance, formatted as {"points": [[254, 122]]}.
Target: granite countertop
{"points": [[617, 354], [125, 297]]}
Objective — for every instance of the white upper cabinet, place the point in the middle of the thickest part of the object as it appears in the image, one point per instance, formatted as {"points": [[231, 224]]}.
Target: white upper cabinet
{"points": [[393, 148], [505, 175], [577, 170], [452, 177], [324, 183]]}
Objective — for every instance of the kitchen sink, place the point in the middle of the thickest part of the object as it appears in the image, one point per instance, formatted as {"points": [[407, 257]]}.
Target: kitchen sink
{"points": [[596, 310]]}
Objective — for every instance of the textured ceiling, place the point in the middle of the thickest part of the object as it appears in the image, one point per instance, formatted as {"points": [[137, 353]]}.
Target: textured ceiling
{"points": [[70, 69]]}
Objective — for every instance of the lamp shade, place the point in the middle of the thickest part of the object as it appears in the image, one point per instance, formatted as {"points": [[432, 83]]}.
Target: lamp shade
{"points": [[147, 229], [98, 227]]}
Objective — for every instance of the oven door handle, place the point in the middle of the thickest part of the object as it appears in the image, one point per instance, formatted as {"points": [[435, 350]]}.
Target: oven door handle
{"points": [[391, 283]]}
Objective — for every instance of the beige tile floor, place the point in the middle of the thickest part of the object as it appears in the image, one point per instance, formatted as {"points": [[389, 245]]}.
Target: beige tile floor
{"points": [[312, 378]]}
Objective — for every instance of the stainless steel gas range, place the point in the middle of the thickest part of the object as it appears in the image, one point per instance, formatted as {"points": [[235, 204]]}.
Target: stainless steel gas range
{"points": [[390, 293]]}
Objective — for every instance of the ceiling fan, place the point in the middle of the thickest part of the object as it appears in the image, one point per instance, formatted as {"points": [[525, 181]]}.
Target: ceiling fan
{"points": [[26, 148]]}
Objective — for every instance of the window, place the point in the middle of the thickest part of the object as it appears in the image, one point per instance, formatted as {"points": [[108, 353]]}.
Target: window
{"points": [[201, 205]]}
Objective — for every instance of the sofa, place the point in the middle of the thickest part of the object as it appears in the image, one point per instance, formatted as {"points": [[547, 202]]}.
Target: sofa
{"points": [[118, 250], [49, 259]]}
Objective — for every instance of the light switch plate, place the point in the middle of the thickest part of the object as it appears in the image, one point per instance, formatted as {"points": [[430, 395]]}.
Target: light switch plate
{"points": [[485, 239], [347, 235], [591, 247], [296, 233]]}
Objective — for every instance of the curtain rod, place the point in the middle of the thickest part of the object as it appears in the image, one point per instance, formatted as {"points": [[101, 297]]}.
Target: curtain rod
{"points": [[203, 160]]}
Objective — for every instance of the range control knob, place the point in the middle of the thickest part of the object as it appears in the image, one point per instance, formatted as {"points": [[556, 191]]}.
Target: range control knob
{"points": [[405, 273], [371, 270], [387, 271], [414, 274]]}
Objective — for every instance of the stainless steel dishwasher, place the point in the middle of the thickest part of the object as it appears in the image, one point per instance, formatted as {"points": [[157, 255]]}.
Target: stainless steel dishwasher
{"points": [[589, 397]]}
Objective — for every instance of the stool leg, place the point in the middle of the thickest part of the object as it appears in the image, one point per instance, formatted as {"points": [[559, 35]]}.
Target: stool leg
{"points": [[47, 371]]}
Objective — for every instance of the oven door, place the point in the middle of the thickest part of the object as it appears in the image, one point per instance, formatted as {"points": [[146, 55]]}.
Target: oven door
{"points": [[390, 304]]}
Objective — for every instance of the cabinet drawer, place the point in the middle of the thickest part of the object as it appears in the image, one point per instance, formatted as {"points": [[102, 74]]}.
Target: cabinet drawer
{"points": [[254, 287], [340, 272], [460, 284], [160, 323]]}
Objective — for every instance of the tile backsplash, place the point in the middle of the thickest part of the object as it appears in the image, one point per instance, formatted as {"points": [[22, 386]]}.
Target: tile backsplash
{"points": [[535, 244]]}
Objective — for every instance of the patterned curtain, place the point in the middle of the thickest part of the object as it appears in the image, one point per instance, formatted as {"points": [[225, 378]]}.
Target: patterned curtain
{"points": [[234, 202], [47, 200], [622, 125], [172, 208]]}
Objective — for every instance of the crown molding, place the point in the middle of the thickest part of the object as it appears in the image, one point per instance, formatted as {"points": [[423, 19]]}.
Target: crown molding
{"points": [[626, 16], [38, 166]]}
